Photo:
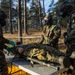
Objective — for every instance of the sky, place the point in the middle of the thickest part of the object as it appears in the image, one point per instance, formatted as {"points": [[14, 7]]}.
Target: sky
{"points": [[47, 3]]}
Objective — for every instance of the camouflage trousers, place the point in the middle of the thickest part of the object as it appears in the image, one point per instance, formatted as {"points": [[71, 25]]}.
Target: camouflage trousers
{"points": [[43, 52], [3, 64]]}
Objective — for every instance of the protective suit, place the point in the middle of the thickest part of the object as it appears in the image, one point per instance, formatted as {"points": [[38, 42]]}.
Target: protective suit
{"points": [[51, 32]]}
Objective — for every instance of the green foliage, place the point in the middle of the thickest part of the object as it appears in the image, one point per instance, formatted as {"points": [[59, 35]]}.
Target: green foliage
{"points": [[5, 5], [51, 6], [34, 12], [57, 8]]}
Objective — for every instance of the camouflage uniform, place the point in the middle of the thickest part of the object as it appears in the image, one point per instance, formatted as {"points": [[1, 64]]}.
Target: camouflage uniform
{"points": [[42, 52], [3, 64], [66, 10], [51, 35], [70, 37]]}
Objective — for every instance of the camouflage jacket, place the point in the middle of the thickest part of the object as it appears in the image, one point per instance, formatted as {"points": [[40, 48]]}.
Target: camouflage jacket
{"points": [[41, 51], [51, 33], [70, 38]]}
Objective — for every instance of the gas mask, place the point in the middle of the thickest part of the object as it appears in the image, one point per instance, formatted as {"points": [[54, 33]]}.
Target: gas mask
{"points": [[45, 21], [48, 20]]}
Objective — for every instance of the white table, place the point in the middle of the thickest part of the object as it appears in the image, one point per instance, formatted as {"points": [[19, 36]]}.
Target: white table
{"points": [[36, 70]]}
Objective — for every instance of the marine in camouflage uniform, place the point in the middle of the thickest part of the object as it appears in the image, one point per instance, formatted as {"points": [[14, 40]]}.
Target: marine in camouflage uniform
{"points": [[70, 42], [41, 52], [3, 64], [69, 36], [51, 32]]}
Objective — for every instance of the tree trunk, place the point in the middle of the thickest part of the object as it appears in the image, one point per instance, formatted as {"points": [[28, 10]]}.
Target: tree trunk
{"points": [[25, 18], [40, 14], [10, 17], [43, 6], [19, 22]]}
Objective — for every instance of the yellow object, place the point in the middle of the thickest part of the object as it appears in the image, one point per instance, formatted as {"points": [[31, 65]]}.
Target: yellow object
{"points": [[16, 71], [64, 74]]}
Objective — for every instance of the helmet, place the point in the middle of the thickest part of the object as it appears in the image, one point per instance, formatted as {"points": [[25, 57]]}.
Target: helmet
{"points": [[66, 9], [2, 18]]}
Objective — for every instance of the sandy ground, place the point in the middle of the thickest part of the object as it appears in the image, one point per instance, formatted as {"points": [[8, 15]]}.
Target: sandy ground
{"points": [[62, 46]]}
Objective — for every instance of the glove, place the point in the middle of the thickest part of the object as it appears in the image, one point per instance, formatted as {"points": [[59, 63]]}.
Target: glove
{"points": [[12, 43], [8, 49]]}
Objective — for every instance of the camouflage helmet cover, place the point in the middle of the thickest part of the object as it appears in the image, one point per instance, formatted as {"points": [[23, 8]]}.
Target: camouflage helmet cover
{"points": [[2, 18]]}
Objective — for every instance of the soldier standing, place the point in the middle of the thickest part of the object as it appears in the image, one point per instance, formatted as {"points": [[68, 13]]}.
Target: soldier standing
{"points": [[3, 64], [51, 32], [67, 11]]}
